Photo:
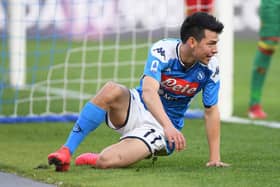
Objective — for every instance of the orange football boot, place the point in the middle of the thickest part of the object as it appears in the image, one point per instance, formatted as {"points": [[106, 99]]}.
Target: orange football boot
{"points": [[61, 159], [87, 159]]}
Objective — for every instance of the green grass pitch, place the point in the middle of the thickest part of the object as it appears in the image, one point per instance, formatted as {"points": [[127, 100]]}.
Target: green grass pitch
{"points": [[252, 150]]}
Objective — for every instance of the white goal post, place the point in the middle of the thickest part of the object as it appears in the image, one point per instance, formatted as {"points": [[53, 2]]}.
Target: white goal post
{"points": [[17, 43], [224, 11], [131, 26]]}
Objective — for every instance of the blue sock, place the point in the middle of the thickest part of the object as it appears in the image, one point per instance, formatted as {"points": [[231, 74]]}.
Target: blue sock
{"points": [[90, 118]]}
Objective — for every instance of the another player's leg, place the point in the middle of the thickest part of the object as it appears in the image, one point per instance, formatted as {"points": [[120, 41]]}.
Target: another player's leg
{"points": [[269, 33], [261, 65], [91, 116], [122, 154]]}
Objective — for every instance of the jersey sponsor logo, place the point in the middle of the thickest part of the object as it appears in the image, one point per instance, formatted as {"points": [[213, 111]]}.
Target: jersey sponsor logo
{"points": [[179, 86], [167, 96]]}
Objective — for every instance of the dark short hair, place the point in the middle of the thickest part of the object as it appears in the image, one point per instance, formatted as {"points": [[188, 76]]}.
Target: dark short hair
{"points": [[195, 24]]}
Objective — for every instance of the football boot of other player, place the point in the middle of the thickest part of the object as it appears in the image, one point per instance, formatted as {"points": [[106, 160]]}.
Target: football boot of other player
{"points": [[256, 112]]}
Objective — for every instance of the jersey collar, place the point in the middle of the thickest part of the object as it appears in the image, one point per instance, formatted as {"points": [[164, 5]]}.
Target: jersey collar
{"points": [[179, 57]]}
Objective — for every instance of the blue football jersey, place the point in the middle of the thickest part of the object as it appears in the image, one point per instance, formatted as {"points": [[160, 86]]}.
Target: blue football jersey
{"points": [[179, 85]]}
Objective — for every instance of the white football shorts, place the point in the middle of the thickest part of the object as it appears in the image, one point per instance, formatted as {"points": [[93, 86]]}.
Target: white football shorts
{"points": [[143, 126]]}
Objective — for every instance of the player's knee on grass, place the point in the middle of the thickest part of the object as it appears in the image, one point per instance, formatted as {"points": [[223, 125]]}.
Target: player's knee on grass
{"points": [[101, 162], [106, 161]]}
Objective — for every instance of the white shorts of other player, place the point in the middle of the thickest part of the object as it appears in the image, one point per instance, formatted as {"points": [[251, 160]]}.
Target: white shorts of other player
{"points": [[142, 125]]}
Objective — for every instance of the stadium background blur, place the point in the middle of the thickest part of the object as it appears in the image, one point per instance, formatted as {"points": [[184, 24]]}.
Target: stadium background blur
{"points": [[47, 22]]}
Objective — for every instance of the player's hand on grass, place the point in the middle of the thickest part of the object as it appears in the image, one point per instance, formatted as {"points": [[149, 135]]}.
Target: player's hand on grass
{"points": [[175, 137], [217, 164]]}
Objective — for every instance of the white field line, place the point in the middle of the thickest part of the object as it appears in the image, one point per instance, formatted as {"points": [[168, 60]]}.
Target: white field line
{"points": [[246, 121]]}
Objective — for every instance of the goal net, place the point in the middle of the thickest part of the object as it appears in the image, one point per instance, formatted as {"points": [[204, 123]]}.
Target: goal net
{"points": [[57, 54]]}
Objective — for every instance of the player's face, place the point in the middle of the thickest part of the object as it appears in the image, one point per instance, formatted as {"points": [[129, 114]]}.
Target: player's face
{"points": [[207, 47]]}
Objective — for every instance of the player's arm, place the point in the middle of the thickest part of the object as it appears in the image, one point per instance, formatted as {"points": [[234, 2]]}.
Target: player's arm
{"points": [[212, 123], [212, 115], [152, 100]]}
